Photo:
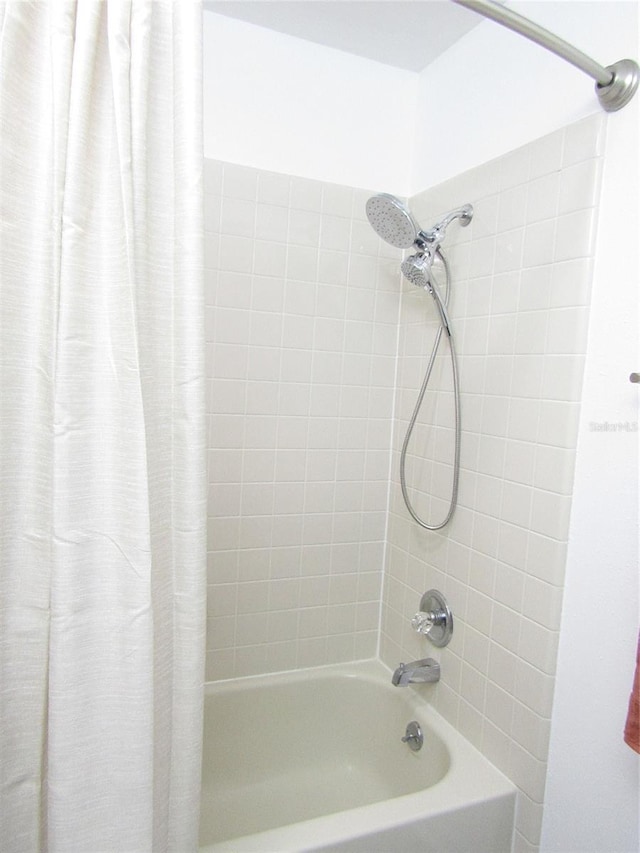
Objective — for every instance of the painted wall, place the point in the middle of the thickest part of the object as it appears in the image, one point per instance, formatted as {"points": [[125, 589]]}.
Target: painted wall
{"points": [[348, 120], [287, 105], [494, 91]]}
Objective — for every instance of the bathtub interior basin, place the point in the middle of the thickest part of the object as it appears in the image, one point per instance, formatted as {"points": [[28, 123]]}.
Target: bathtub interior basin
{"points": [[286, 756]]}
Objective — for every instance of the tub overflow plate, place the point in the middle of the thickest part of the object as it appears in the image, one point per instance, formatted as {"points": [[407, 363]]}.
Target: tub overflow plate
{"points": [[413, 736]]}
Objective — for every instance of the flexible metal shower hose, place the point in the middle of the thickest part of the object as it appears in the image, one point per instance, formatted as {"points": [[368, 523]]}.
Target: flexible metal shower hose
{"points": [[412, 421]]}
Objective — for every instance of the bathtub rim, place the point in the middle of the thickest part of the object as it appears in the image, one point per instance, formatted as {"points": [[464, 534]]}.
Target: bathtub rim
{"points": [[471, 779]]}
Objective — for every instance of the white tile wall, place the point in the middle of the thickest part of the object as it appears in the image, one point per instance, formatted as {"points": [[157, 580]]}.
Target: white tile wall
{"points": [[303, 342], [519, 305], [301, 336]]}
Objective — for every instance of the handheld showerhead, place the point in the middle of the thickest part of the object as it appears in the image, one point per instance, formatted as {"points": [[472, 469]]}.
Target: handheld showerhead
{"points": [[417, 269], [392, 220]]}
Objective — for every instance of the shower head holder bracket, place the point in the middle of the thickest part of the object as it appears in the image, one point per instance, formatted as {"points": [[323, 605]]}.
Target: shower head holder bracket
{"points": [[436, 234]]}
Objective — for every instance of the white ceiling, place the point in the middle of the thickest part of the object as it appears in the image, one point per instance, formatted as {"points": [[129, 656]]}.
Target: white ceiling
{"points": [[408, 34]]}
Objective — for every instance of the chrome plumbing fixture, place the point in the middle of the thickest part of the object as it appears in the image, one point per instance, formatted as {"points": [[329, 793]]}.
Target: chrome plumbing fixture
{"points": [[392, 221], [434, 619], [395, 223], [413, 736], [416, 269], [425, 671]]}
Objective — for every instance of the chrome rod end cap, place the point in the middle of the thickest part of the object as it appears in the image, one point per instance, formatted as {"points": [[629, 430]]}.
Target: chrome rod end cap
{"points": [[617, 94]]}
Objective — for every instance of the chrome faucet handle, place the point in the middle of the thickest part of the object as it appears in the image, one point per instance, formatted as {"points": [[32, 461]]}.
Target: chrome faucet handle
{"points": [[422, 622], [434, 620]]}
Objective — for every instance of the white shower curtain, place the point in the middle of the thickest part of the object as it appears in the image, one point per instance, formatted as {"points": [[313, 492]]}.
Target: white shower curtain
{"points": [[102, 490]]}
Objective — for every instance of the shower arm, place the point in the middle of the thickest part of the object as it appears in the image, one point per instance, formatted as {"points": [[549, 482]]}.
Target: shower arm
{"points": [[615, 84], [430, 240]]}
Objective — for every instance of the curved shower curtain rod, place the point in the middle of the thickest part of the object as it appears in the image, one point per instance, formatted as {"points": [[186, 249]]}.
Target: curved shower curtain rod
{"points": [[615, 84]]}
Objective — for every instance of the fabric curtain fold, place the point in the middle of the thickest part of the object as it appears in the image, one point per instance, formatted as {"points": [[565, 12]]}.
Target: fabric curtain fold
{"points": [[102, 548]]}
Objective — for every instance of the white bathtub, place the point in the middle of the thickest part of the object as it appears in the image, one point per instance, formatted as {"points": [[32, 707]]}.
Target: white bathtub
{"points": [[313, 760]]}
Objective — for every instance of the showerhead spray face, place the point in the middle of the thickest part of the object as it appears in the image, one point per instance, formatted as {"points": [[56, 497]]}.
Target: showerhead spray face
{"points": [[417, 269], [392, 220]]}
